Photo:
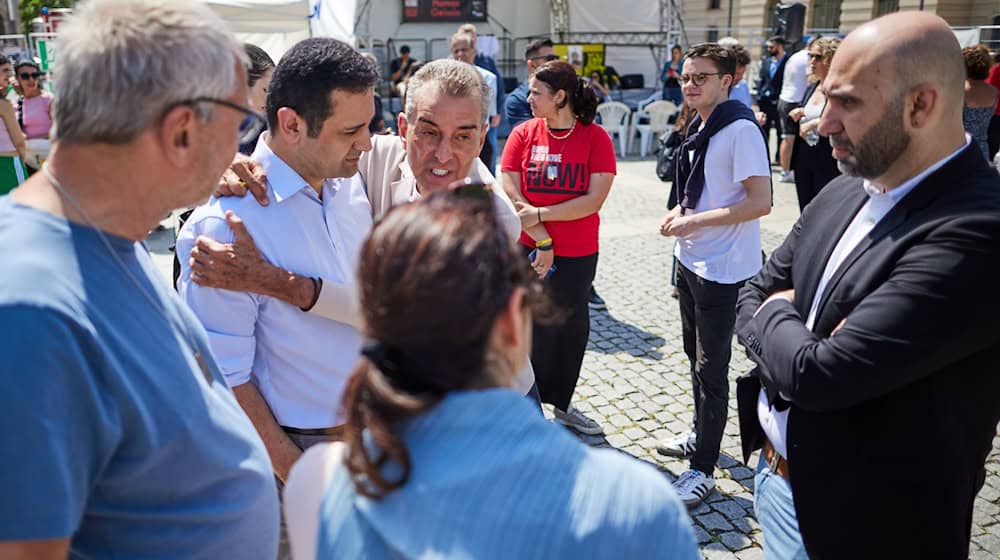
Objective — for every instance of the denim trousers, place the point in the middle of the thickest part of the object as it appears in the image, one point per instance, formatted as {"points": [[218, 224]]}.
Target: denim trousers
{"points": [[772, 503], [708, 317]]}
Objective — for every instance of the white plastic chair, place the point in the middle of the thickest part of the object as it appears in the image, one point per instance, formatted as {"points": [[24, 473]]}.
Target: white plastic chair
{"points": [[615, 119], [658, 113]]}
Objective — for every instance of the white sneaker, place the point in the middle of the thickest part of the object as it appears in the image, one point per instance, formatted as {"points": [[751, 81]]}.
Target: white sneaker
{"points": [[787, 177], [681, 446], [575, 419], [693, 486]]}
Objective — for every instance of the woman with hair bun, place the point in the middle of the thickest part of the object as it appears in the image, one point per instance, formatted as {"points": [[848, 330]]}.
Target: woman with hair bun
{"points": [[558, 168], [441, 459]]}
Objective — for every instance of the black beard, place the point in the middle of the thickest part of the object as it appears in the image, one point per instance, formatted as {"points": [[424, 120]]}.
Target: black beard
{"points": [[880, 147]]}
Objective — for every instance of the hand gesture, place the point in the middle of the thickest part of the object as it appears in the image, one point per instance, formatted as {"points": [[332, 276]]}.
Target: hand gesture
{"points": [[243, 175], [236, 266]]}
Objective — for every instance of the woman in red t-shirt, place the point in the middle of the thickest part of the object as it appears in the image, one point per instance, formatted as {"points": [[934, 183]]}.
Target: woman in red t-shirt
{"points": [[558, 168]]}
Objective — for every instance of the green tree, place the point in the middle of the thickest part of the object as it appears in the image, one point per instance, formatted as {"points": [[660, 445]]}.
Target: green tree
{"points": [[30, 9]]}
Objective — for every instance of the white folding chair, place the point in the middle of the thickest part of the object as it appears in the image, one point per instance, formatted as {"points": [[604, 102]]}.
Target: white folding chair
{"points": [[615, 119], [658, 113]]}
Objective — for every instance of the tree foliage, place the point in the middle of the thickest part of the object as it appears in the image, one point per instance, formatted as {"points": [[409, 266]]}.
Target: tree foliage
{"points": [[30, 9]]}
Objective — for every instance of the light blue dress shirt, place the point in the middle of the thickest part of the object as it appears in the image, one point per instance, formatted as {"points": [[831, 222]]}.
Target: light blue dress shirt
{"points": [[300, 362], [492, 479]]}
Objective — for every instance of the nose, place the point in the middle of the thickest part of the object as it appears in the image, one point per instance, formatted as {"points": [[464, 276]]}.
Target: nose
{"points": [[829, 121], [443, 152], [365, 143]]}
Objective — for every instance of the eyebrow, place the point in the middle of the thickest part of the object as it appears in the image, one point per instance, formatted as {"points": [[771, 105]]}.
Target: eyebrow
{"points": [[840, 95], [435, 125]]}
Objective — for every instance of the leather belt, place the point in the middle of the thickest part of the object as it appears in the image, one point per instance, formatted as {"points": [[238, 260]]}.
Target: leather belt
{"points": [[336, 431], [774, 460]]}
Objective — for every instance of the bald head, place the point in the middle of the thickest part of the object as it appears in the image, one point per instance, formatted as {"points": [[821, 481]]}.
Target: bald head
{"points": [[906, 49]]}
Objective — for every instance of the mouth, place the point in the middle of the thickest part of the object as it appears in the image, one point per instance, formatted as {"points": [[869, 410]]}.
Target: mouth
{"points": [[438, 172]]}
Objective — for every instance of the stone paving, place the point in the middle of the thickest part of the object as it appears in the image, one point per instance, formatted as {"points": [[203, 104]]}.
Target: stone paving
{"points": [[636, 381]]}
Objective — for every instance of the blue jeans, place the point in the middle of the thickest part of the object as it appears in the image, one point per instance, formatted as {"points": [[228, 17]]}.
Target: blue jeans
{"points": [[772, 503]]}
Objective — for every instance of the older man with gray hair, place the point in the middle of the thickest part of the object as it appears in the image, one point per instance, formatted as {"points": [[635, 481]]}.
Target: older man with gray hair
{"points": [[121, 437]]}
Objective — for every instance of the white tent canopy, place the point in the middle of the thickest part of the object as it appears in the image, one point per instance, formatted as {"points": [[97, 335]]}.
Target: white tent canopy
{"points": [[276, 25]]}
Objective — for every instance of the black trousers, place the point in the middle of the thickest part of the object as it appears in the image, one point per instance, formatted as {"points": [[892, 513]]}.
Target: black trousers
{"points": [[557, 349], [708, 317], [770, 109]]}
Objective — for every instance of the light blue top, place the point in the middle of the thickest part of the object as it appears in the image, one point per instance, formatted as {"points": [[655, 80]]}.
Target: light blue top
{"points": [[300, 362], [741, 92], [492, 479], [112, 435]]}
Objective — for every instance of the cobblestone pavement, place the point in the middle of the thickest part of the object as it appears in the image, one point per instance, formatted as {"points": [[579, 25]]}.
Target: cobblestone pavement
{"points": [[636, 381]]}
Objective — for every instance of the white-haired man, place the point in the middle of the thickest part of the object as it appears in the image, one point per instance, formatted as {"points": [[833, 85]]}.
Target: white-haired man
{"points": [[121, 437]]}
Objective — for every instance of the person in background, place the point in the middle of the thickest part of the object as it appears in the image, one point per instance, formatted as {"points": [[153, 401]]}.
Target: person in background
{"points": [[516, 107], [488, 63], [980, 97], [259, 74], [34, 107], [377, 124], [597, 84], [993, 133], [400, 67], [812, 156], [12, 144], [558, 169], [670, 76], [793, 86], [769, 83], [740, 90], [433, 427], [463, 48], [121, 437]]}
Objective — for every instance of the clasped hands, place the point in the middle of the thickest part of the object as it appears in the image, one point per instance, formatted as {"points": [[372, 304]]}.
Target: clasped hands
{"points": [[678, 225]]}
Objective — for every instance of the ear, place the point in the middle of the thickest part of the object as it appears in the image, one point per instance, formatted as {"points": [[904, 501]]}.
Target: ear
{"points": [[291, 125], [404, 126], [559, 97], [512, 329], [923, 103], [177, 133]]}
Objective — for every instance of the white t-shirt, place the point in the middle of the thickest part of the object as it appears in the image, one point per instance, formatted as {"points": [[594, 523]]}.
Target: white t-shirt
{"points": [[796, 78], [727, 254]]}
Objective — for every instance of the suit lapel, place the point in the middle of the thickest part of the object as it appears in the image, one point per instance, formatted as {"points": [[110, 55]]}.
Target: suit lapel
{"points": [[832, 224]]}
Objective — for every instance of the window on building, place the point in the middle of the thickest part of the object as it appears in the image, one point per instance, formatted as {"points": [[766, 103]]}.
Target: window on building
{"points": [[714, 4], [712, 35], [883, 7], [825, 14]]}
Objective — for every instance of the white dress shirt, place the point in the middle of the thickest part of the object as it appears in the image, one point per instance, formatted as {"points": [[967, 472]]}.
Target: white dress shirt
{"points": [[774, 422], [300, 362]]}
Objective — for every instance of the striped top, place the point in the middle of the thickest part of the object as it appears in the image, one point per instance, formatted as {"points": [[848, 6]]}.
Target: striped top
{"points": [[492, 479]]}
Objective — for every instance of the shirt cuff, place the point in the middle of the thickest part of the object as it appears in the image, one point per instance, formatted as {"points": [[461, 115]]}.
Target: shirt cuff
{"points": [[775, 297], [339, 302]]}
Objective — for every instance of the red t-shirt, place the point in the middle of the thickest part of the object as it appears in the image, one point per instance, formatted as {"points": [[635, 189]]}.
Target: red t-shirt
{"points": [[554, 171], [994, 80]]}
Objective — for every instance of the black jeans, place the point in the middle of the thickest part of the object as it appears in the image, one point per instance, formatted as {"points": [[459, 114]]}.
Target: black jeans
{"points": [[993, 136], [557, 350], [708, 317], [770, 109]]}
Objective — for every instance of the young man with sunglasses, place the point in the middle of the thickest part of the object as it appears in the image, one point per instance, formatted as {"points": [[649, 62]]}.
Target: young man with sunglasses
{"points": [[724, 186], [516, 106]]}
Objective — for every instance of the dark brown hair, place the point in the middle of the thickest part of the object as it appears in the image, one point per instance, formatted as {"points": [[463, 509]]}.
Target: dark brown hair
{"points": [[977, 62], [559, 75], [434, 275], [535, 47]]}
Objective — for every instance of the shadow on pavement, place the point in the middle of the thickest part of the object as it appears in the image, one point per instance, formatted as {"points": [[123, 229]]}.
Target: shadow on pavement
{"points": [[609, 335]]}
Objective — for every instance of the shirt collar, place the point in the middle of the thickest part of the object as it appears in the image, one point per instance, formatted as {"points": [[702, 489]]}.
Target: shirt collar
{"points": [[897, 194], [284, 181]]}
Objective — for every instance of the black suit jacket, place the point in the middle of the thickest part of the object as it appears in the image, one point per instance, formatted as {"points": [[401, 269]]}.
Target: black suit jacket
{"points": [[892, 417], [768, 88]]}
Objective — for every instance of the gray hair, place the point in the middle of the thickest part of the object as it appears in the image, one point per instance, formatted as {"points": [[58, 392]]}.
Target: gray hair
{"points": [[452, 77], [123, 63]]}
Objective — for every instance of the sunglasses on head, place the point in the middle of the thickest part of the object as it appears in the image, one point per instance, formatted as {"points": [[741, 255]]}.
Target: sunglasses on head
{"points": [[546, 57], [30, 75]]}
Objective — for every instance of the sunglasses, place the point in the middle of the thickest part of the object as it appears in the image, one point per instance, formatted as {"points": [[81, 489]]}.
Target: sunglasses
{"points": [[30, 76], [249, 127], [698, 79], [815, 56], [546, 57]]}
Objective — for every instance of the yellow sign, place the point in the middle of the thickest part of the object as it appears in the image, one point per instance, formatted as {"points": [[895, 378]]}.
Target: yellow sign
{"points": [[585, 58]]}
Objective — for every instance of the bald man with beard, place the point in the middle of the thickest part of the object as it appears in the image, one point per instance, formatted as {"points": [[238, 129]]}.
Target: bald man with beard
{"points": [[874, 325]]}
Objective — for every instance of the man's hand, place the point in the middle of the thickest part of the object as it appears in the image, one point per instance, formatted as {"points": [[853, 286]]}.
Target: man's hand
{"points": [[243, 175], [543, 262], [527, 213], [495, 120], [236, 266], [672, 215], [796, 114]]}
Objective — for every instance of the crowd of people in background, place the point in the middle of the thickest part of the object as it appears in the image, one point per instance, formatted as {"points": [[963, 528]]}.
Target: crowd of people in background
{"points": [[367, 326]]}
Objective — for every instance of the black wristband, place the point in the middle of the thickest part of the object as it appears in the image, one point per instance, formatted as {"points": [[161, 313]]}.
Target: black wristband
{"points": [[317, 288], [545, 247]]}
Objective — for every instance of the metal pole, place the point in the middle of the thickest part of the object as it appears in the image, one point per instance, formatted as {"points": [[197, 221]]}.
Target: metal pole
{"points": [[729, 23]]}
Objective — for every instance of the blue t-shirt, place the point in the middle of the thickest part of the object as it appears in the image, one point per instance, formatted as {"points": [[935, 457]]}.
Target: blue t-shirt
{"points": [[516, 107], [112, 435]]}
